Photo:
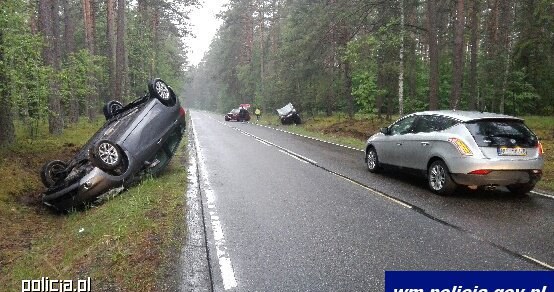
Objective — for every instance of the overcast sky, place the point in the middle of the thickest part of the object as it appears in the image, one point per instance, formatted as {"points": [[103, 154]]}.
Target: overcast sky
{"points": [[204, 27]]}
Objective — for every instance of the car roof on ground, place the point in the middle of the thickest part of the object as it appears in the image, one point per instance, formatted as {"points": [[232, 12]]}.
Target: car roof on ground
{"points": [[465, 116]]}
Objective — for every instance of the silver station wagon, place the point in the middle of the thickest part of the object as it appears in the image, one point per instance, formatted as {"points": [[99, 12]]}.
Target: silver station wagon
{"points": [[451, 148]]}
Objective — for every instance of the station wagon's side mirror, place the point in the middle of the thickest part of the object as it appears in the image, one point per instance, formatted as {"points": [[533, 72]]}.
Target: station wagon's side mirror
{"points": [[384, 131]]}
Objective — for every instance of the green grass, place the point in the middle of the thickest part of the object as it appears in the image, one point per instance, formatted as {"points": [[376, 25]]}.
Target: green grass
{"points": [[354, 132], [126, 243]]}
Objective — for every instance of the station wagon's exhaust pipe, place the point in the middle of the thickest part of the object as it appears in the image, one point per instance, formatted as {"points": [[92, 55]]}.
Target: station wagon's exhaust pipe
{"points": [[491, 187]]}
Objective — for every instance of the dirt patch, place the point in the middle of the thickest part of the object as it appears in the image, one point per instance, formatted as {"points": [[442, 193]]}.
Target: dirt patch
{"points": [[30, 199], [351, 128]]}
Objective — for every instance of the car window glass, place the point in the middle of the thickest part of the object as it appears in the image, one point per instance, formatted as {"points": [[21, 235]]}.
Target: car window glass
{"points": [[403, 126], [432, 123], [492, 133]]}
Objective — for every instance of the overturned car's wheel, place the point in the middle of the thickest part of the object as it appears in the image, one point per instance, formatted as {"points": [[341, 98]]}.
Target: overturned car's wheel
{"points": [[111, 108], [160, 90], [106, 155], [53, 172]]}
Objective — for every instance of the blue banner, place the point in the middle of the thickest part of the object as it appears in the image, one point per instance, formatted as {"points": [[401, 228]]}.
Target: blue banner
{"points": [[469, 281]]}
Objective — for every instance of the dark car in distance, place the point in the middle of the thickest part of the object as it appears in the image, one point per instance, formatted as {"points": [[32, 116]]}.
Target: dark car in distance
{"points": [[139, 137], [234, 115]]}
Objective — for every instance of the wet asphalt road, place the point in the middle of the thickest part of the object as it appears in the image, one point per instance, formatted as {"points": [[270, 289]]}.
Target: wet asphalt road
{"points": [[287, 213]]}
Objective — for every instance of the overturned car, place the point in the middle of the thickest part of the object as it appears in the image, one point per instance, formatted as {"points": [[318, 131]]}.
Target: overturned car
{"points": [[288, 115], [140, 137]]}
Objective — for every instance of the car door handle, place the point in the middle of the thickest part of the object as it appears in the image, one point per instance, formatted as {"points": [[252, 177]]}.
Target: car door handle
{"points": [[424, 143], [398, 144]]}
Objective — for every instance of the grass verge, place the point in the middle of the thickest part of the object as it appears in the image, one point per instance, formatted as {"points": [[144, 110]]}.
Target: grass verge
{"points": [[355, 131], [128, 243]]}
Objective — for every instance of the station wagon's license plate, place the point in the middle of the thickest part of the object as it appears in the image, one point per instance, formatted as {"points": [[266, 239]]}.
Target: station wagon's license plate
{"points": [[518, 151]]}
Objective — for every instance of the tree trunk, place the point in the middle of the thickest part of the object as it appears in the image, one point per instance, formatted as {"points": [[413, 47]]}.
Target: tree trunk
{"points": [[261, 13], [458, 56], [69, 28], [505, 41], [474, 46], [89, 22], [48, 17], [433, 55], [7, 129], [120, 50], [379, 100], [111, 42], [348, 89], [69, 48], [401, 65]]}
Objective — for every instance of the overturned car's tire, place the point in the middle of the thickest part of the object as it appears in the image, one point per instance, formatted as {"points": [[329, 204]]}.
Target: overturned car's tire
{"points": [[111, 108], [106, 155], [161, 91], [53, 172]]}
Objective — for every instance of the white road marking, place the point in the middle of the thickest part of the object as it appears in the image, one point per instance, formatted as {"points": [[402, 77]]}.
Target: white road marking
{"points": [[263, 142], [375, 192], [225, 265], [539, 262], [542, 194], [285, 152]]}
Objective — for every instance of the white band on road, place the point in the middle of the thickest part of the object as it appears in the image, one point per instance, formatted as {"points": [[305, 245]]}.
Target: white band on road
{"points": [[225, 265], [284, 152]]}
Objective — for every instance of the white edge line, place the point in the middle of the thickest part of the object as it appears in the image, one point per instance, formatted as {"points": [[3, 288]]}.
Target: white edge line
{"points": [[225, 266], [542, 194], [539, 262], [285, 152]]}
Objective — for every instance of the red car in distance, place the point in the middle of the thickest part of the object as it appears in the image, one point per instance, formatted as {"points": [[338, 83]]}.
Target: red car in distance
{"points": [[233, 115]]}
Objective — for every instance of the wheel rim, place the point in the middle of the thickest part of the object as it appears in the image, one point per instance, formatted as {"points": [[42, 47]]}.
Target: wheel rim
{"points": [[55, 171], [162, 90], [371, 160], [437, 177], [108, 153], [114, 108]]}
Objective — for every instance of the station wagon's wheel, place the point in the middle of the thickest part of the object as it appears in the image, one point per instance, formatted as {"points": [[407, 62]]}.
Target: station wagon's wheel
{"points": [[160, 90], [110, 108], [53, 172], [106, 155], [520, 189], [438, 177], [372, 160]]}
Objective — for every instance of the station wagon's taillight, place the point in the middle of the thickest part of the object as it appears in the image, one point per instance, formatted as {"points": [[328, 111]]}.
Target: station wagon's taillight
{"points": [[541, 150], [181, 111], [461, 146]]}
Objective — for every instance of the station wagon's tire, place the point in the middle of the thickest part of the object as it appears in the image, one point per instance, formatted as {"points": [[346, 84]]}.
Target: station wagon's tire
{"points": [[520, 189], [111, 107], [53, 172], [160, 90], [297, 120], [372, 161], [439, 180], [106, 155]]}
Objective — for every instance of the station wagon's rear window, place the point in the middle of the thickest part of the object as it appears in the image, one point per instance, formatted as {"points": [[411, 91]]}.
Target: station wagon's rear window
{"points": [[501, 132]]}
